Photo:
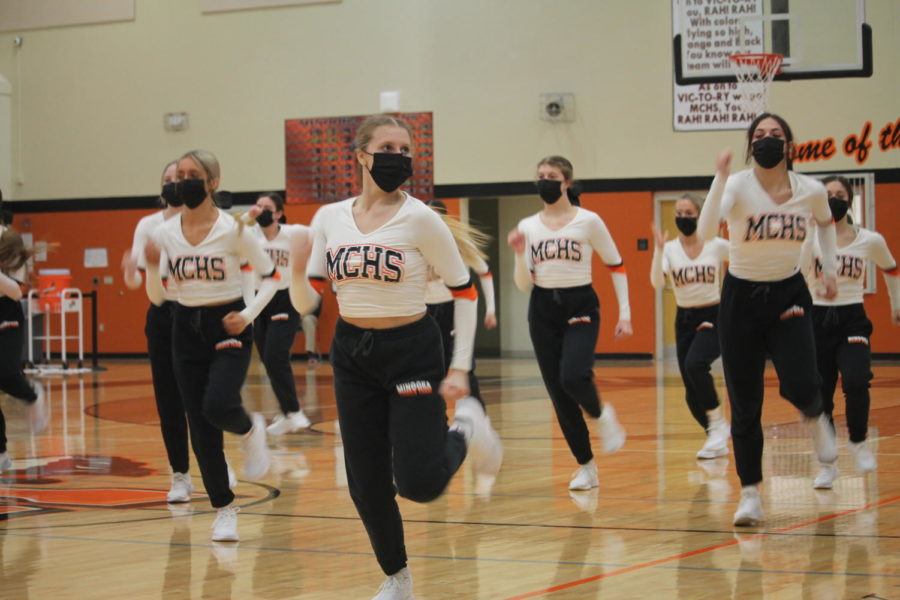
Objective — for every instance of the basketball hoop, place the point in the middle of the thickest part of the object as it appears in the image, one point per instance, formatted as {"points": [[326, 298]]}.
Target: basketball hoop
{"points": [[754, 73]]}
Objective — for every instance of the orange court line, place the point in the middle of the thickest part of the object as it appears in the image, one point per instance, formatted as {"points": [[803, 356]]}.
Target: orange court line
{"points": [[659, 561]]}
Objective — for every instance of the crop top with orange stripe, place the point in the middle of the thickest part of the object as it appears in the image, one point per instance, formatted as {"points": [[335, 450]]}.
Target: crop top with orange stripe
{"points": [[383, 273]]}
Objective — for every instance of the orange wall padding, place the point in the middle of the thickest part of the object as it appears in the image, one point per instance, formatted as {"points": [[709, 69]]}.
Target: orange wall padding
{"points": [[627, 216], [885, 336]]}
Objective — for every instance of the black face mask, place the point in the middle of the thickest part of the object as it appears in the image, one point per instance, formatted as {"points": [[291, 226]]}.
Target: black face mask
{"points": [[768, 151], [265, 218], [550, 190], [686, 225], [192, 192], [168, 194], [839, 208], [389, 170]]}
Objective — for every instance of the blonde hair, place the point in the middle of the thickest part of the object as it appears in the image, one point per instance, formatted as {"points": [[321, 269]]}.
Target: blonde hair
{"points": [[470, 241], [207, 161], [693, 199], [367, 129]]}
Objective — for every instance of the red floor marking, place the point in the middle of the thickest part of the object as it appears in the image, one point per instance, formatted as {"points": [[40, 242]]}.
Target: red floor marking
{"points": [[658, 561], [96, 497]]}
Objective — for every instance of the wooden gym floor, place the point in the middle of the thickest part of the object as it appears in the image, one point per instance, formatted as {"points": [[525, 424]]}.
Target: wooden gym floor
{"points": [[85, 514]]}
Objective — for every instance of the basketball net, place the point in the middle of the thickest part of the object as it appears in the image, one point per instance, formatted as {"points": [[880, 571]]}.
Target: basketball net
{"points": [[755, 73]]}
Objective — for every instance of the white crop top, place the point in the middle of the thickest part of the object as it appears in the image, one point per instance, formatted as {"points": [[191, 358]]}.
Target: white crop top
{"points": [[210, 272], [766, 237], [279, 250], [851, 267], [562, 258], [695, 282], [383, 273]]}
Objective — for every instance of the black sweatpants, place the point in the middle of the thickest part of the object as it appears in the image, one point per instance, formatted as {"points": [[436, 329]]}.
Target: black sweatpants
{"points": [[393, 424], [172, 418], [564, 325], [210, 367], [443, 314], [274, 332], [756, 318], [12, 377], [842, 346], [697, 346]]}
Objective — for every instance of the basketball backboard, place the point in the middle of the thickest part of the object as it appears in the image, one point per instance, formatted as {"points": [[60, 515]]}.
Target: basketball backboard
{"points": [[819, 39]]}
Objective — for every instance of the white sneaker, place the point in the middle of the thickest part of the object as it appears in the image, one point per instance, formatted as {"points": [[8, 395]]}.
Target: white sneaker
{"points": [[5, 462], [716, 444], [865, 460], [828, 472], [232, 478], [483, 443], [611, 432], [256, 452], [38, 413], [749, 512], [225, 526], [181, 489], [585, 477], [824, 440], [288, 423], [397, 586]]}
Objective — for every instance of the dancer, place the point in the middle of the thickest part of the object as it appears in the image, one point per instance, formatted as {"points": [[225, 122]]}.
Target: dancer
{"points": [[158, 329], [765, 307], [13, 257], [276, 326], [438, 297], [390, 380], [553, 252], [695, 270], [842, 329], [205, 248]]}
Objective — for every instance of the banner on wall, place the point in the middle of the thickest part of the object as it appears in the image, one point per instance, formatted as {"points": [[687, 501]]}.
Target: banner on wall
{"points": [[858, 146], [321, 165], [710, 35]]}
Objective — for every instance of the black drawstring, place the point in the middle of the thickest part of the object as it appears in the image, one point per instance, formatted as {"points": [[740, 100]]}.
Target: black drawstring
{"points": [[557, 297], [196, 320], [832, 318], [364, 344]]}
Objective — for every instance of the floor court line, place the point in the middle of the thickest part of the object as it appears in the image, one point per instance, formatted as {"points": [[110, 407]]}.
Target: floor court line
{"points": [[660, 561]]}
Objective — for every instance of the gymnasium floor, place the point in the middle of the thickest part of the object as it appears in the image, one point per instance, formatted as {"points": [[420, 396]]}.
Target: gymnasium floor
{"points": [[85, 512]]}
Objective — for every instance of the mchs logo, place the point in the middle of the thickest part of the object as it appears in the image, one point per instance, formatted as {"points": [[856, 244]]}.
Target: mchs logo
{"points": [[555, 249], [279, 257], [694, 274], [191, 268], [851, 267], [775, 226], [365, 261]]}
